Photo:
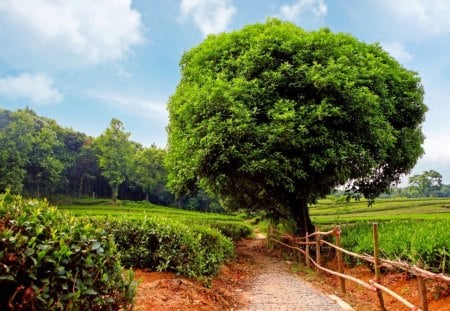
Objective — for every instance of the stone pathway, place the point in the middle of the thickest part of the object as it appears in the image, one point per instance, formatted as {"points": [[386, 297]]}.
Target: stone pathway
{"points": [[276, 288]]}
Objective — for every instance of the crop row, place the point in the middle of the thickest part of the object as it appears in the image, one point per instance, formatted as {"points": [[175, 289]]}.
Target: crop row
{"points": [[410, 240], [229, 225], [139, 208], [166, 245]]}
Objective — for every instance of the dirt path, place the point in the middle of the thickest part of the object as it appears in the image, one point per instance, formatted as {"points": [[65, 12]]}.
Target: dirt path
{"points": [[274, 287], [252, 281]]}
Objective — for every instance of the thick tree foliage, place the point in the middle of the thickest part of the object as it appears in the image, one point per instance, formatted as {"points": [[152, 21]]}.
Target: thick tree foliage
{"points": [[273, 117], [149, 171], [115, 153], [32, 155]]}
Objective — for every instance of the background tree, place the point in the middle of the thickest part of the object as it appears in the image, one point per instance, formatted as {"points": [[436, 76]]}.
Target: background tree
{"points": [[114, 153], [16, 137], [426, 184], [44, 167], [32, 153], [149, 171], [84, 175], [273, 117]]}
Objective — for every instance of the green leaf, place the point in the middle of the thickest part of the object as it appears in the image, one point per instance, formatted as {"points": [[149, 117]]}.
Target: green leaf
{"points": [[90, 292], [95, 245]]}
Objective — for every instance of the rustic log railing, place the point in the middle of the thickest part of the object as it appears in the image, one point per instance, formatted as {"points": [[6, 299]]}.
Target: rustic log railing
{"points": [[303, 244]]}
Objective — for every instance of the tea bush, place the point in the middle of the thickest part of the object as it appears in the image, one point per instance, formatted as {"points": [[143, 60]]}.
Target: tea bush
{"points": [[51, 260], [413, 240], [167, 245], [231, 229]]}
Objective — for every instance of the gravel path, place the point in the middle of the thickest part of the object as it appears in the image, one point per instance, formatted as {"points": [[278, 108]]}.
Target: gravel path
{"points": [[275, 288]]}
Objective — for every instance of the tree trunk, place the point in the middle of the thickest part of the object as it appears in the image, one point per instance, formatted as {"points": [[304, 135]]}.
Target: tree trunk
{"points": [[80, 189], [300, 214], [115, 194]]}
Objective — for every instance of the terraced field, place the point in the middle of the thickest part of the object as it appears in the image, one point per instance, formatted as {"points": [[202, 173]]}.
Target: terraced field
{"points": [[329, 211]]}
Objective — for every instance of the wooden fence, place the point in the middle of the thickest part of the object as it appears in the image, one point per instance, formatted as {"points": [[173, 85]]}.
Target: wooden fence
{"points": [[315, 240]]}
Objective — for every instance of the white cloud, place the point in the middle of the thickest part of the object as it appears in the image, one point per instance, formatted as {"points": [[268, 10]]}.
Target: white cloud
{"points": [[398, 51], [211, 16], [437, 148], [423, 16], [93, 31], [142, 106], [300, 8], [38, 88]]}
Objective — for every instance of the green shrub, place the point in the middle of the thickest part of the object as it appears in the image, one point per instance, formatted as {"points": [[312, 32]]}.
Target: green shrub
{"points": [[166, 245], [53, 261]]}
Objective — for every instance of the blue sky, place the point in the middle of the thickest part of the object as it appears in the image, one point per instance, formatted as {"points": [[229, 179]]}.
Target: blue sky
{"points": [[84, 62]]}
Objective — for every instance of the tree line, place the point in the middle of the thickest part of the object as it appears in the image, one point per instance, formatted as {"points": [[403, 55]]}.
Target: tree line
{"points": [[427, 184], [40, 158]]}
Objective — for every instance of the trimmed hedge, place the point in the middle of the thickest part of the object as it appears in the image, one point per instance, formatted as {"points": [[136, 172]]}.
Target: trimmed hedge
{"points": [[167, 245], [231, 229], [50, 260]]}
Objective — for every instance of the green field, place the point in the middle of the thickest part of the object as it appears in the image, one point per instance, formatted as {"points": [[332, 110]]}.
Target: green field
{"points": [[91, 208], [332, 211], [409, 229]]}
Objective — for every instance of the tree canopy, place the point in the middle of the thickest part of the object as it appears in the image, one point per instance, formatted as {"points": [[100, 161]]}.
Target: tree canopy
{"points": [[273, 117], [115, 155]]}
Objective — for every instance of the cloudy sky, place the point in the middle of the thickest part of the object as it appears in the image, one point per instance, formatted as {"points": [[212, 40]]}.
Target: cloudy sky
{"points": [[83, 62]]}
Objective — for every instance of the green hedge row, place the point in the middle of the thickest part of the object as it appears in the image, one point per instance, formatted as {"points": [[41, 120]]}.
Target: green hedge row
{"points": [[231, 229], [51, 260], [166, 245]]}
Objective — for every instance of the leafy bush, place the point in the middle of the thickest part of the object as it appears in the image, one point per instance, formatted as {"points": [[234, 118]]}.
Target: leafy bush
{"points": [[52, 261], [166, 245]]}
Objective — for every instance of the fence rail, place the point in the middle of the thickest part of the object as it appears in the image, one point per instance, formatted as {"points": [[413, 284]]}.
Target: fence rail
{"points": [[302, 245]]}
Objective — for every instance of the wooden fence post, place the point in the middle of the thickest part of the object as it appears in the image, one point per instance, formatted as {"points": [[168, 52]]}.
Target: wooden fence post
{"points": [[340, 257], [422, 289], [317, 250], [377, 264], [307, 250]]}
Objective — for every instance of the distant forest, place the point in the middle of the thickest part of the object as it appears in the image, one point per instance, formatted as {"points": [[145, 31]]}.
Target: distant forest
{"points": [[40, 158]]}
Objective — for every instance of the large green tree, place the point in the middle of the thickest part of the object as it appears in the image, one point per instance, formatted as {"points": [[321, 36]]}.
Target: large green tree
{"points": [[115, 153], [273, 117]]}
